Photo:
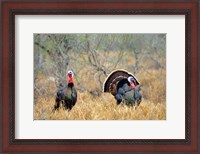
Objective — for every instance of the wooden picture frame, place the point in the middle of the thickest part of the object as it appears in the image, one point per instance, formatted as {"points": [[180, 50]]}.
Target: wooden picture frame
{"points": [[47, 7]]}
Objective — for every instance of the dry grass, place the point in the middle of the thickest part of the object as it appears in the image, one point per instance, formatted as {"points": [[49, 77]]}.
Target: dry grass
{"points": [[153, 86], [103, 107], [99, 108]]}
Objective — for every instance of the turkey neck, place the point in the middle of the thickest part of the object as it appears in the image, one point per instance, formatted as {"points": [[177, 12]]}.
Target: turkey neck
{"points": [[132, 85], [70, 83], [70, 79]]}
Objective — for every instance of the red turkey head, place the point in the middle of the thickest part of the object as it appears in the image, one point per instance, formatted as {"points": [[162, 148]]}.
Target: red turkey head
{"points": [[131, 80], [70, 75]]}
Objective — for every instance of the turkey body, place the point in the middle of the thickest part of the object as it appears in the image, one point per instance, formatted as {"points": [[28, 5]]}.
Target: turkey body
{"points": [[128, 97], [118, 85], [66, 95]]}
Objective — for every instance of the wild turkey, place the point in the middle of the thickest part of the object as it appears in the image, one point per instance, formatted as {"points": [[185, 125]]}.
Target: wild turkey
{"points": [[123, 86], [66, 94]]}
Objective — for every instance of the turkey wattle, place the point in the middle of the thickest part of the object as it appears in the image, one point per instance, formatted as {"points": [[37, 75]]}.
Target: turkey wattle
{"points": [[123, 86], [67, 94]]}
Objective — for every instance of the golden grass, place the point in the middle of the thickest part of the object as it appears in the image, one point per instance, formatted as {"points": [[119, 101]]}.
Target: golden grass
{"points": [[99, 108], [153, 85]]}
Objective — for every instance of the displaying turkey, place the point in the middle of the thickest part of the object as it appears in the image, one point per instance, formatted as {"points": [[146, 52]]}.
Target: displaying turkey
{"points": [[123, 86], [67, 95]]}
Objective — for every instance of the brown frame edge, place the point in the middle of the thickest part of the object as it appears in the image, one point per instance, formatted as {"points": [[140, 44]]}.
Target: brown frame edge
{"points": [[10, 145]]}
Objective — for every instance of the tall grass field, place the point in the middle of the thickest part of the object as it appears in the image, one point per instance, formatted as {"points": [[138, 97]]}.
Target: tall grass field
{"points": [[103, 107]]}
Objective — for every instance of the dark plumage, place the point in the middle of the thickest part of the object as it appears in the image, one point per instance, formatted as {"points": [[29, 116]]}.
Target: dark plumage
{"points": [[67, 95], [123, 86]]}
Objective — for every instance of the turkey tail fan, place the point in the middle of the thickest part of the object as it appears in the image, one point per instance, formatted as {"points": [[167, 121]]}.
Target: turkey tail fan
{"points": [[111, 82]]}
